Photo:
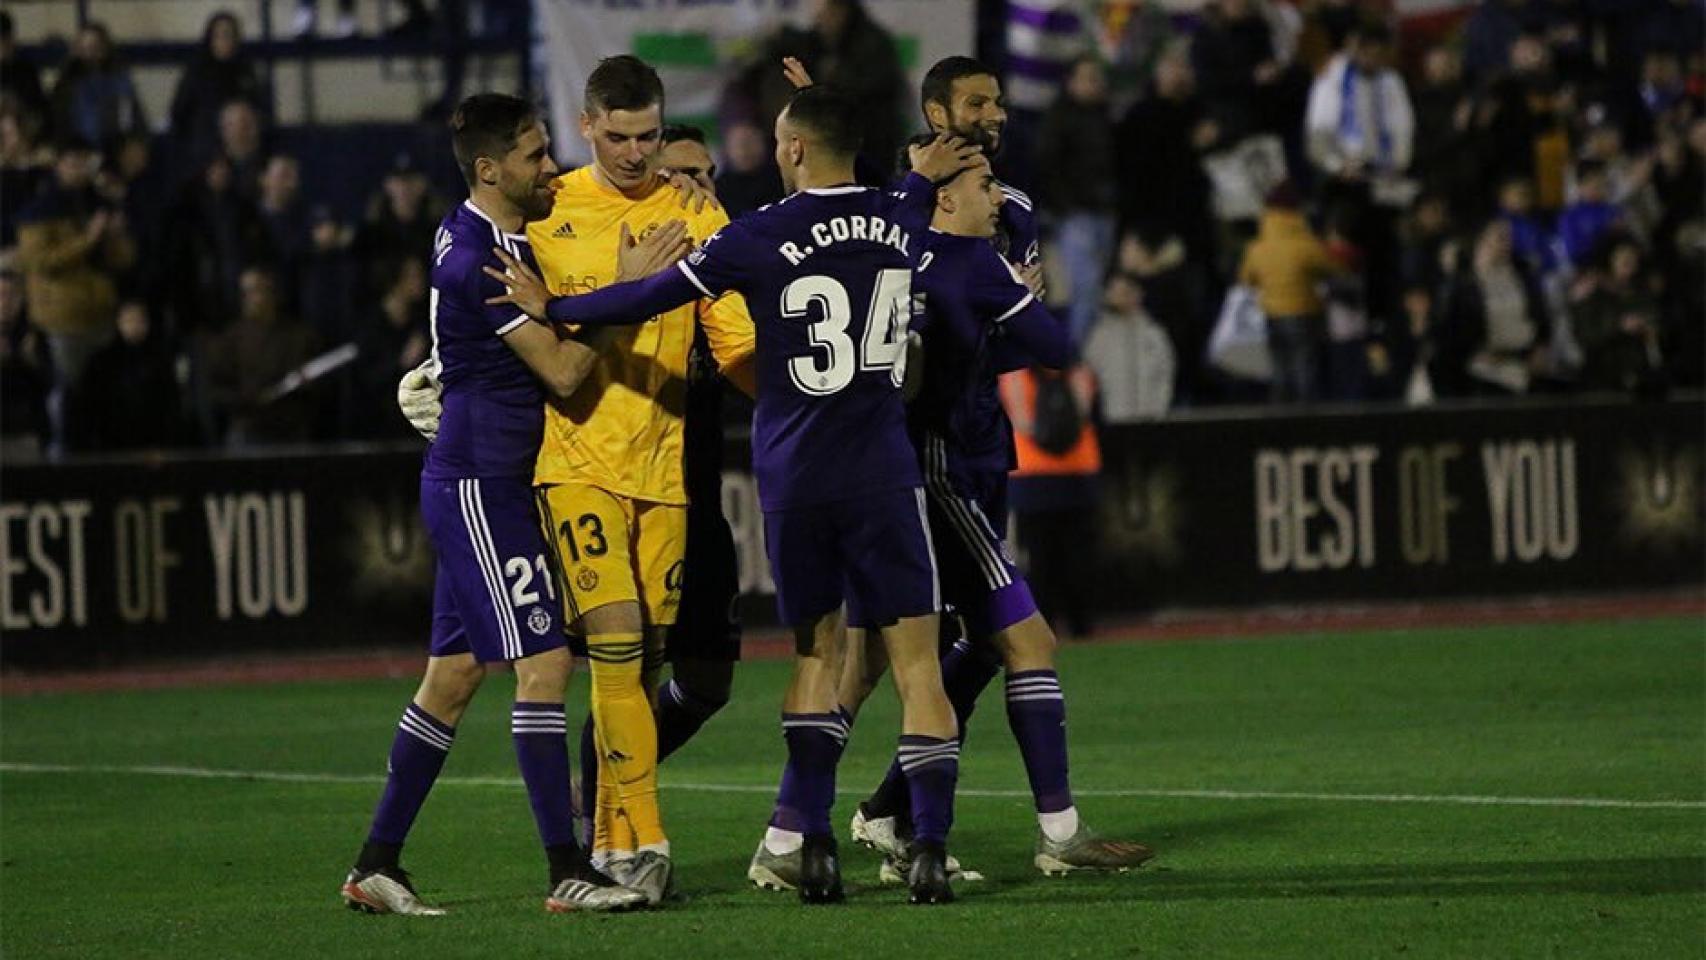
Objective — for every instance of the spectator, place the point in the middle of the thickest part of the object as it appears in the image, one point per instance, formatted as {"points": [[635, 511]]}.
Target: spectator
{"points": [[219, 74], [26, 374], [135, 182], [247, 363], [1077, 186], [1423, 237], [288, 230], [1492, 30], [390, 345], [26, 169], [214, 233], [849, 49], [1491, 320], [401, 221], [94, 98], [1444, 152], [307, 20], [328, 278], [129, 396], [749, 179], [1160, 142], [20, 78], [1236, 66], [240, 140], [1587, 219], [1284, 265], [72, 249], [1054, 489], [1360, 135], [1532, 243], [1515, 121], [1617, 322], [1131, 355], [1136, 36], [1171, 290]]}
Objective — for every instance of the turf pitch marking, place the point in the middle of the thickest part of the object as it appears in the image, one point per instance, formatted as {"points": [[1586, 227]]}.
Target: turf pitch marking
{"points": [[284, 776]]}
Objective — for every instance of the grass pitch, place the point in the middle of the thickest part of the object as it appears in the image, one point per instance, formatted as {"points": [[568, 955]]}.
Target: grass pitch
{"points": [[1488, 792]]}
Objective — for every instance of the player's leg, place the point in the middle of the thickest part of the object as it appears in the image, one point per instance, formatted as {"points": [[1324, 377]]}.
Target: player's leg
{"points": [[427, 729], [893, 580], [973, 565], [704, 641], [592, 536], [512, 614], [798, 849], [1036, 713]]}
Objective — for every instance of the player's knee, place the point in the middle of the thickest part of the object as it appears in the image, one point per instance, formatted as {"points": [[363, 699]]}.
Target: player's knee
{"points": [[620, 617], [449, 685], [708, 682], [1028, 644], [544, 677]]}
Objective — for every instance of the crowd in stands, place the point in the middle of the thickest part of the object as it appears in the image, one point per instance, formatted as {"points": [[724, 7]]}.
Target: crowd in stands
{"points": [[1522, 210]]}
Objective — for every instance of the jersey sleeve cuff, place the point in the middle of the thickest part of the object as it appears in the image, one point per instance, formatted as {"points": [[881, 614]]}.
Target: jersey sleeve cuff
{"points": [[687, 271], [513, 324]]}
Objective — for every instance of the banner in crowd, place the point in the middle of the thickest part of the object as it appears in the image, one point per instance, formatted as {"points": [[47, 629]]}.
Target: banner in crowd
{"points": [[699, 46], [107, 562]]}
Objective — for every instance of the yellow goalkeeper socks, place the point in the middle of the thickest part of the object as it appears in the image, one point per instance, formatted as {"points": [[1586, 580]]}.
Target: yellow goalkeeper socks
{"points": [[627, 734]]}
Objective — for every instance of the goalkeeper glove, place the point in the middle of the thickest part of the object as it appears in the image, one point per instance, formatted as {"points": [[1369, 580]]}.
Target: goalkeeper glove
{"points": [[418, 397]]}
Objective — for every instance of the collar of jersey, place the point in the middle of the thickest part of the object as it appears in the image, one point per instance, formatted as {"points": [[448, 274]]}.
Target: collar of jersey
{"points": [[835, 191], [469, 203]]}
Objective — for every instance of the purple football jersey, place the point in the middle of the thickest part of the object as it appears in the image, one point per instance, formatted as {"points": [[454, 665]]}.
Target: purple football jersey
{"points": [[827, 275], [494, 407], [972, 300]]}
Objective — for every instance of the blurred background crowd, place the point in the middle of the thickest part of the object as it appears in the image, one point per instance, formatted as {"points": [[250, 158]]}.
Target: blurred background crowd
{"points": [[1244, 201]]}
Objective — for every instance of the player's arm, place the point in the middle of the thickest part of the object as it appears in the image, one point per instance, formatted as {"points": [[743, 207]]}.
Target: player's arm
{"points": [[1027, 334], [732, 338], [560, 362], [619, 304]]}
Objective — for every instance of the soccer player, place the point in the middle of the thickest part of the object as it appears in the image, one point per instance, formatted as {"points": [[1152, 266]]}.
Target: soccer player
{"points": [[493, 600], [828, 271], [609, 476], [703, 644], [982, 319]]}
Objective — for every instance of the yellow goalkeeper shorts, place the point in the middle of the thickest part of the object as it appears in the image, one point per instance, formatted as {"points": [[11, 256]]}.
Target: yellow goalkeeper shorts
{"points": [[610, 548]]}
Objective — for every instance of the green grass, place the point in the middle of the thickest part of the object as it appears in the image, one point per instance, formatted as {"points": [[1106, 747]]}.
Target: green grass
{"points": [[132, 865]]}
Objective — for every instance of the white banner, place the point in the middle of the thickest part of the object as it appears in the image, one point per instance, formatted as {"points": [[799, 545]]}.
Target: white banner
{"points": [[697, 47]]}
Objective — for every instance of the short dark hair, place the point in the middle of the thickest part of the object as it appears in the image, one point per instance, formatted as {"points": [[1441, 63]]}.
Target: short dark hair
{"points": [[831, 114], [622, 83], [673, 132], [1373, 31], [938, 84], [487, 125], [1590, 168]]}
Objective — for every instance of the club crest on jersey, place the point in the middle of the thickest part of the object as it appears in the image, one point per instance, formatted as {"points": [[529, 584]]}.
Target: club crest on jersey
{"points": [[538, 621], [586, 579], [565, 231]]}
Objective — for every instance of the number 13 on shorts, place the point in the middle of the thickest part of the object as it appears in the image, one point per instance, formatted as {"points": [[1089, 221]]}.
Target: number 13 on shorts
{"points": [[613, 549]]}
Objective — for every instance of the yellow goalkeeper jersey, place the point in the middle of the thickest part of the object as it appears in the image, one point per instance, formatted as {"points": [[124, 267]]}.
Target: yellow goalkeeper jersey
{"points": [[622, 430]]}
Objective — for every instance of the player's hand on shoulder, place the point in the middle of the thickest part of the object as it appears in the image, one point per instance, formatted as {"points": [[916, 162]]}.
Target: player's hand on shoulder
{"points": [[796, 73], [1032, 276], [657, 250], [693, 193], [943, 157], [527, 291], [419, 397]]}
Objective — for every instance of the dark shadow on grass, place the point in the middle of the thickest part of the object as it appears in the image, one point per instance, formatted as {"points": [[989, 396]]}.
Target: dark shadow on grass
{"points": [[1171, 835], [1632, 877]]}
